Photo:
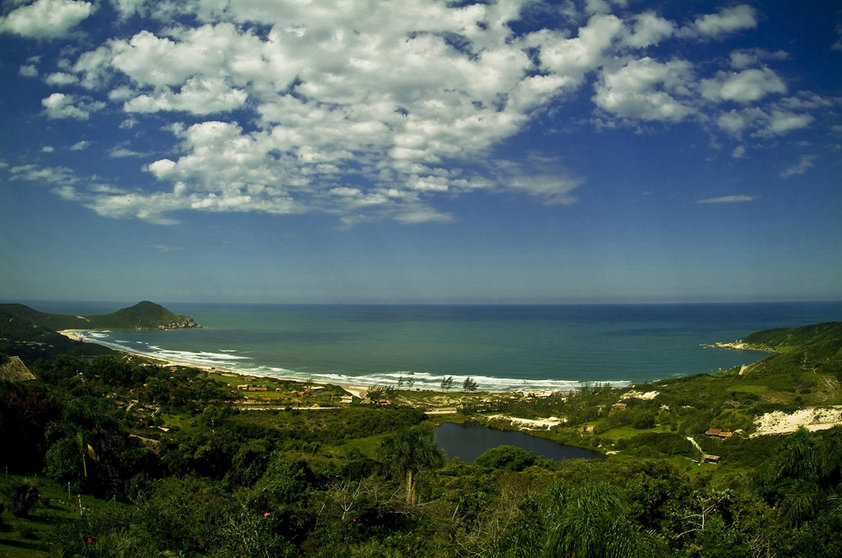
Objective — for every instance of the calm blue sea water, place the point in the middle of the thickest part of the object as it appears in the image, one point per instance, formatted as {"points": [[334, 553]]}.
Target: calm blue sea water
{"points": [[501, 347]]}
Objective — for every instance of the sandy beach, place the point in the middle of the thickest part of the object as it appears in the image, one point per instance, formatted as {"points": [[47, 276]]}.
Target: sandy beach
{"points": [[353, 389]]}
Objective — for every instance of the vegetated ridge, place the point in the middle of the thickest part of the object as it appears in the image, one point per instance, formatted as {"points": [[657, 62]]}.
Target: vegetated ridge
{"points": [[787, 339], [143, 315], [31, 334]]}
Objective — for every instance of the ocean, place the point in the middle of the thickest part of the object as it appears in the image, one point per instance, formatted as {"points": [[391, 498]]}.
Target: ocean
{"points": [[501, 347]]}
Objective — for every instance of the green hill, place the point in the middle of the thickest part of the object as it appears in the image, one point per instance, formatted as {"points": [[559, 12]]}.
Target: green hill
{"points": [[810, 350], [791, 338], [143, 315], [31, 334], [23, 336], [56, 322]]}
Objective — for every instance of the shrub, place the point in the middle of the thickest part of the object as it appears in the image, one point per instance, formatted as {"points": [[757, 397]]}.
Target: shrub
{"points": [[509, 458], [25, 497]]}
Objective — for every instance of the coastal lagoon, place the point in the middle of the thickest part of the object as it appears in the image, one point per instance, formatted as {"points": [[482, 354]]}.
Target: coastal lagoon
{"points": [[469, 441], [501, 347]]}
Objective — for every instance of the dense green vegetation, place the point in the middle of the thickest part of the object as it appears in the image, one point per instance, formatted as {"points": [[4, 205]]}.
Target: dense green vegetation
{"points": [[173, 461], [143, 315], [790, 338], [22, 337], [31, 334]]}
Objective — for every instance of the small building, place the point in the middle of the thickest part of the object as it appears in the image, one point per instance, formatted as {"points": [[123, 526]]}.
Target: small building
{"points": [[717, 433]]}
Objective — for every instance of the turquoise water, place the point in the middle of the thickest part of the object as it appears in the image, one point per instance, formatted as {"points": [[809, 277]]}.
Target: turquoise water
{"points": [[501, 347]]}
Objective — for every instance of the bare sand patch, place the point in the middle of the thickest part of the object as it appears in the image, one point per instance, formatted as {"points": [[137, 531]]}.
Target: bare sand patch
{"points": [[633, 394], [813, 418], [529, 424]]}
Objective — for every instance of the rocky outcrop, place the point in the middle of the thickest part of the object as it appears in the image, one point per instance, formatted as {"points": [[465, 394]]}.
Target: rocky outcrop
{"points": [[186, 323], [742, 346]]}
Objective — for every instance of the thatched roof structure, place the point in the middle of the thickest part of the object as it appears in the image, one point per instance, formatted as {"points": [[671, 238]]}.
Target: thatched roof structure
{"points": [[14, 370]]}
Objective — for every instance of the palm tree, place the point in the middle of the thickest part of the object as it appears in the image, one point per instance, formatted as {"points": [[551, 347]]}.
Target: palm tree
{"points": [[794, 479], [408, 453], [25, 497], [591, 520]]}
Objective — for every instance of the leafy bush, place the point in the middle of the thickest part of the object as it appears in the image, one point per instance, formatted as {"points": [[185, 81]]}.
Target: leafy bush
{"points": [[644, 420], [652, 444], [24, 497], [508, 458]]}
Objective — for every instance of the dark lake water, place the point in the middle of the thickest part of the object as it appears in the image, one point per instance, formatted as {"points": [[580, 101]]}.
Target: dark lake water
{"points": [[469, 441]]}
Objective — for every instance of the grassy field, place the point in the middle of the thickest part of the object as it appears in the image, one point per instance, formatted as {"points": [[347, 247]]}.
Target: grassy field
{"points": [[27, 537]]}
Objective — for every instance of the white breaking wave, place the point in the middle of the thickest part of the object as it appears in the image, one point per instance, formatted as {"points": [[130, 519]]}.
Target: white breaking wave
{"points": [[407, 379], [95, 334], [427, 381], [203, 358]]}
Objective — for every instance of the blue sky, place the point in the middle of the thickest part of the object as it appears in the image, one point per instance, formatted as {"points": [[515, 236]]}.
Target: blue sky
{"points": [[421, 151]]}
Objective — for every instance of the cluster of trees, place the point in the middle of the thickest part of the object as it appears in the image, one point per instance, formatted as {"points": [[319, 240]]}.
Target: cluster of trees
{"points": [[409, 502]]}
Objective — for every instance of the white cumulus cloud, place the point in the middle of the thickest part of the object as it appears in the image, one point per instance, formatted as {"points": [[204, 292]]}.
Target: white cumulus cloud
{"points": [[371, 110], [802, 166], [727, 20], [46, 18], [28, 70], [743, 87], [646, 89], [59, 105], [61, 78]]}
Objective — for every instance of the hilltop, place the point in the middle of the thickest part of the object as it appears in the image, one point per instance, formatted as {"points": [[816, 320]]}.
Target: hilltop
{"points": [[143, 315]]}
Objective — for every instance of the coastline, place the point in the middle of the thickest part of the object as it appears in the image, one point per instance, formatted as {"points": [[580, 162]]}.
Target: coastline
{"points": [[353, 389], [567, 374], [358, 389], [738, 346]]}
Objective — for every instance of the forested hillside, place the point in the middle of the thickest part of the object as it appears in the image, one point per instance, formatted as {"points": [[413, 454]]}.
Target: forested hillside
{"points": [[31, 334], [791, 338], [143, 315], [31, 340]]}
